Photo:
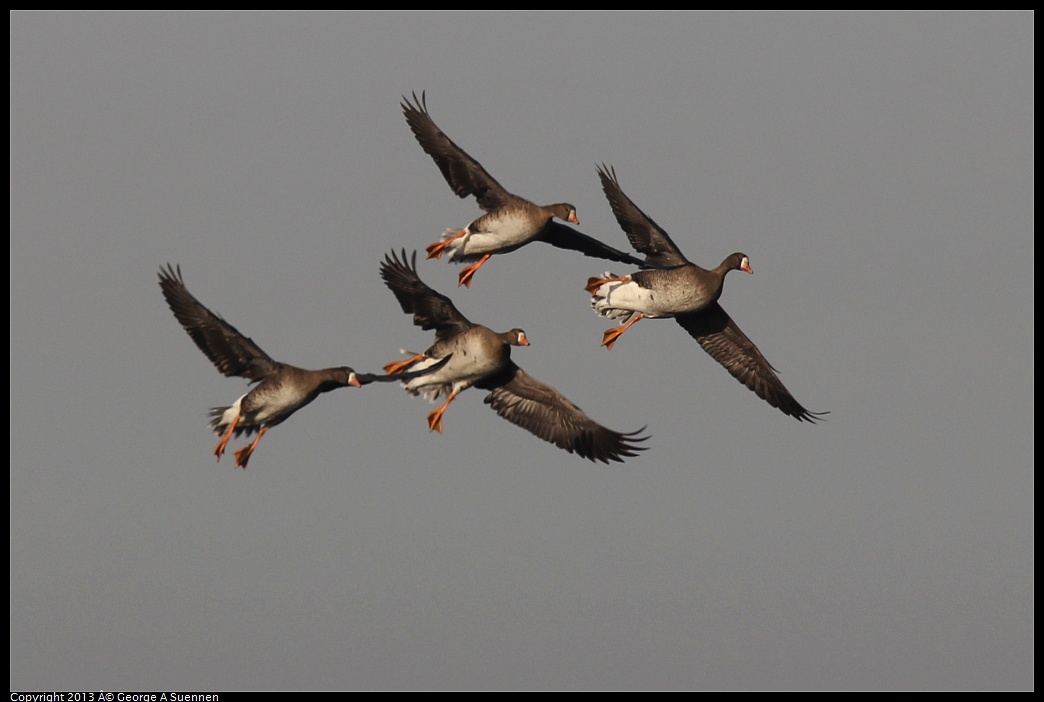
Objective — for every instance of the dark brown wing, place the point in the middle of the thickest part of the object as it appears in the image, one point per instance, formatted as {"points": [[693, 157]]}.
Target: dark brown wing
{"points": [[367, 378], [465, 175], [564, 237], [545, 412], [430, 310], [232, 353], [644, 234], [722, 339]]}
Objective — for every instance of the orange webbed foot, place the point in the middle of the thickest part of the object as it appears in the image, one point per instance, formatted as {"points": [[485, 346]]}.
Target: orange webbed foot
{"points": [[396, 367], [435, 418], [465, 276], [468, 273], [439, 247], [611, 335], [243, 455], [219, 450], [594, 283], [435, 421]]}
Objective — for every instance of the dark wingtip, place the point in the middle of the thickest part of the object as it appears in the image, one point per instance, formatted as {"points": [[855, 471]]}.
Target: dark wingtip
{"points": [[625, 448], [170, 273], [391, 260], [418, 105], [811, 417], [607, 174]]}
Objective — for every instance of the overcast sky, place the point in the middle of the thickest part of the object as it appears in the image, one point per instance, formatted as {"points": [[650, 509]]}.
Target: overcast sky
{"points": [[878, 170]]}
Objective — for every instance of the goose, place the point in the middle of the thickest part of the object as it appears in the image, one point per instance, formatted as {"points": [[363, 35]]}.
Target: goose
{"points": [[281, 388], [510, 221], [687, 293], [481, 357]]}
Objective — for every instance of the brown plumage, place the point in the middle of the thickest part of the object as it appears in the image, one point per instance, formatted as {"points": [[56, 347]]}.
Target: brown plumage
{"points": [[482, 358], [687, 293], [282, 389], [510, 221]]}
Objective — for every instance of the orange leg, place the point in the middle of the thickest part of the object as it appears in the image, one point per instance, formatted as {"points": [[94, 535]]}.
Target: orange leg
{"points": [[611, 335], [435, 418], [594, 283], [243, 455], [220, 448], [467, 273], [439, 247], [396, 367]]}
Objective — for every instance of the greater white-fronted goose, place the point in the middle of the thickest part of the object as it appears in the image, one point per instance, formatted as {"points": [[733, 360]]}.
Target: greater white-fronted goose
{"points": [[482, 357], [510, 221], [282, 389], [689, 294]]}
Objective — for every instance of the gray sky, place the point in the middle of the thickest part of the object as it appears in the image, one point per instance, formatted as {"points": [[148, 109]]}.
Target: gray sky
{"points": [[877, 168]]}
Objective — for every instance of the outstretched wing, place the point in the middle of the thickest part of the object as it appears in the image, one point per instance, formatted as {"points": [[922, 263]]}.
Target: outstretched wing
{"points": [[558, 234], [722, 339], [644, 234], [367, 378], [541, 410], [465, 175], [430, 310], [232, 353]]}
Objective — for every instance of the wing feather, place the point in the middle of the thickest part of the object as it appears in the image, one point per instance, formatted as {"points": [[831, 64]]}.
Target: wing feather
{"points": [[644, 234], [230, 351], [565, 237], [430, 309], [719, 336], [464, 174], [543, 411]]}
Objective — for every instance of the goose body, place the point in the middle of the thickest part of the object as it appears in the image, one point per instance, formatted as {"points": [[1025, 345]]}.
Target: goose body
{"points": [[510, 221], [689, 294], [281, 390], [481, 357]]}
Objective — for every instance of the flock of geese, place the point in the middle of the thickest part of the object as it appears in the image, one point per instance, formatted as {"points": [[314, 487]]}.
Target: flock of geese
{"points": [[466, 354]]}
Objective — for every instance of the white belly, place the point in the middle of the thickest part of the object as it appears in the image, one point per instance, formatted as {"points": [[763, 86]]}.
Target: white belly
{"points": [[619, 300], [462, 371], [493, 233]]}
